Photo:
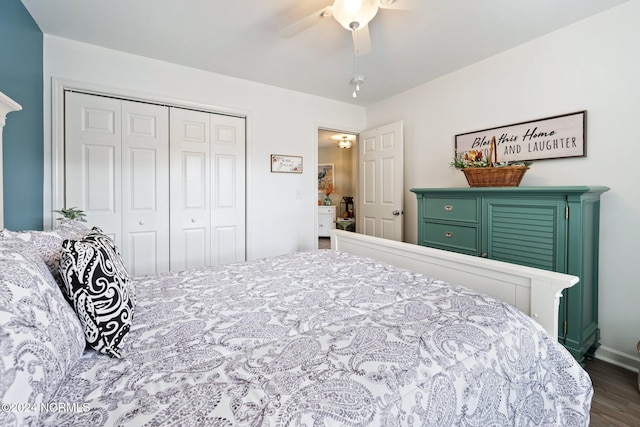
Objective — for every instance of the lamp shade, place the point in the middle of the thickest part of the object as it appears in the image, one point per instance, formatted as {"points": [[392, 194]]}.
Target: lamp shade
{"points": [[354, 14]]}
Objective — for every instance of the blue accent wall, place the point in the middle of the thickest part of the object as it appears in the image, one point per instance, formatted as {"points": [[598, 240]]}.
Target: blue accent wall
{"points": [[21, 78]]}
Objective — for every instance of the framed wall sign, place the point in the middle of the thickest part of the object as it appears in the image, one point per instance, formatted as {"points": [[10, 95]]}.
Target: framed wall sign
{"points": [[325, 176], [550, 138], [286, 164]]}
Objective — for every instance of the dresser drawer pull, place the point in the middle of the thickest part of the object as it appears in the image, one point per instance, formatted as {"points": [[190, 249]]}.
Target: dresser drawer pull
{"points": [[448, 208], [448, 234]]}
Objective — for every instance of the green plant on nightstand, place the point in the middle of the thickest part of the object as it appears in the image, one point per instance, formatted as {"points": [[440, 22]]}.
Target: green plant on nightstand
{"points": [[72, 213]]}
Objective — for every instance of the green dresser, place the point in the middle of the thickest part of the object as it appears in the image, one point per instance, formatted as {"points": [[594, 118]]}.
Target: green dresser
{"points": [[553, 228]]}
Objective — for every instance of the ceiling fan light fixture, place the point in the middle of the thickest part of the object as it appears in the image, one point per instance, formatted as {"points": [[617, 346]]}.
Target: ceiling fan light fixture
{"points": [[356, 81], [354, 14], [345, 142]]}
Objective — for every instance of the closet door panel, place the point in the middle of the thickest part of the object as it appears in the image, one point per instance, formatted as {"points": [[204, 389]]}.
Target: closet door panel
{"points": [[141, 253], [228, 183], [225, 245], [145, 187], [196, 242], [92, 160], [225, 181], [193, 181], [100, 169], [190, 189]]}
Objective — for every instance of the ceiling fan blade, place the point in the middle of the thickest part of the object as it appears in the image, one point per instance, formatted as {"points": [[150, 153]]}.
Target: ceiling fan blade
{"points": [[361, 41], [411, 5], [306, 22]]}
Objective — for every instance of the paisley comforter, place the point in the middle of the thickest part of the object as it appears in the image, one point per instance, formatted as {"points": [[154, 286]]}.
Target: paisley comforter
{"points": [[323, 339]]}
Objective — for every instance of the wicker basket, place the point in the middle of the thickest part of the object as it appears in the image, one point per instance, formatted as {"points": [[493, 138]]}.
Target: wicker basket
{"points": [[494, 176]]}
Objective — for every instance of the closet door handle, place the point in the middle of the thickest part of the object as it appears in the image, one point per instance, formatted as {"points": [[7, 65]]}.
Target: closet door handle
{"points": [[193, 220], [141, 222]]}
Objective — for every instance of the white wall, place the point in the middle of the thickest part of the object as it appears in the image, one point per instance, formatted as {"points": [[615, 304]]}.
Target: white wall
{"points": [[592, 65], [278, 122]]}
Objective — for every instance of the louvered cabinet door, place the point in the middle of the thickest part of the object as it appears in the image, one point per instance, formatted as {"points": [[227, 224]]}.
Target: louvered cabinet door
{"points": [[526, 232], [531, 233]]}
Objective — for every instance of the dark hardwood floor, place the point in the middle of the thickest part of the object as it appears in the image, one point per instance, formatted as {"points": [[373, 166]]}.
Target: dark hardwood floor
{"points": [[324, 243], [616, 399]]}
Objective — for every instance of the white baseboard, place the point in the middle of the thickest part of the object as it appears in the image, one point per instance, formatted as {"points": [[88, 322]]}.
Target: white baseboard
{"points": [[618, 358]]}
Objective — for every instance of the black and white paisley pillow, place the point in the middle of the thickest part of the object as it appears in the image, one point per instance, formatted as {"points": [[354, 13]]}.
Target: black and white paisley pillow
{"points": [[100, 289]]}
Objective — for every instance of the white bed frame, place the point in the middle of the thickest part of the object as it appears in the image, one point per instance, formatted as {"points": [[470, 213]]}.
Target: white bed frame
{"points": [[535, 292]]}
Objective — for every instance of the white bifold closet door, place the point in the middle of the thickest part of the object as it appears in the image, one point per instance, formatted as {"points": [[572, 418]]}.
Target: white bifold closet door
{"points": [[166, 183], [116, 156], [207, 189], [145, 178], [190, 189]]}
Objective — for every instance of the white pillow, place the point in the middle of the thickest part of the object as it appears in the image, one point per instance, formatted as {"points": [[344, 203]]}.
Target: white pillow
{"points": [[40, 335], [48, 244]]}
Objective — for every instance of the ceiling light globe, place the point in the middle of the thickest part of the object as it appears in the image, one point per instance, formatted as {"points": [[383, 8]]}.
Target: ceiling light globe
{"points": [[360, 12], [345, 143]]}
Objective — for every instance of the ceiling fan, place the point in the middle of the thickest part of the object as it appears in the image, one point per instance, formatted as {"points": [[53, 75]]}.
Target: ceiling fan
{"points": [[354, 15]]}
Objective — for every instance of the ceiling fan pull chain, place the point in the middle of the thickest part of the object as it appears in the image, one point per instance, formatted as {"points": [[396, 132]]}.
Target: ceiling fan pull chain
{"points": [[356, 84]]}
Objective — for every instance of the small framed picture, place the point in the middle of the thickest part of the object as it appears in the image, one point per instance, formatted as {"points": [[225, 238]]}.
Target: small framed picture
{"points": [[325, 176], [286, 164]]}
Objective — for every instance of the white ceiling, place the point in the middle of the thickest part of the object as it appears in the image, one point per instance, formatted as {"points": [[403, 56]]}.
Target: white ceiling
{"points": [[240, 37]]}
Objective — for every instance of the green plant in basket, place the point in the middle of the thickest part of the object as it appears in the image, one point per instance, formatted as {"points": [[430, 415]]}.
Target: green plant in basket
{"points": [[72, 213], [476, 159], [470, 159]]}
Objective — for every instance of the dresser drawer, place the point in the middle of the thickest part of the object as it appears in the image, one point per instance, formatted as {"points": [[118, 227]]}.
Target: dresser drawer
{"points": [[458, 238], [327, 210], [451, 208]]}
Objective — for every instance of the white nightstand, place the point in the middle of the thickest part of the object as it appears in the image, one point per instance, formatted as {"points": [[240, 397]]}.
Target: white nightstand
{"points": [[326, 220]]}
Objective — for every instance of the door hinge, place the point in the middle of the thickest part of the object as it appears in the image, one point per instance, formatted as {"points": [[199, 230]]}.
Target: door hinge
{"points": [[564, 326], [566, 212]]}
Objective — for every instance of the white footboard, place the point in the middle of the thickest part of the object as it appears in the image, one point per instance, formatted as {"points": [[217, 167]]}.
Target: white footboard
{"points": [[536, 292]]}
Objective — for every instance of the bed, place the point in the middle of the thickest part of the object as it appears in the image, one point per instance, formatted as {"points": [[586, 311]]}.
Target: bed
{"points": [[314, 338], [358, 335]]}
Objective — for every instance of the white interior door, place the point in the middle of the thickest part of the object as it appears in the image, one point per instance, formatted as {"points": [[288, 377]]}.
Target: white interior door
{"points": [[228, 189], [93, 146], [190, 189], [145, 187], [380, 183]]}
